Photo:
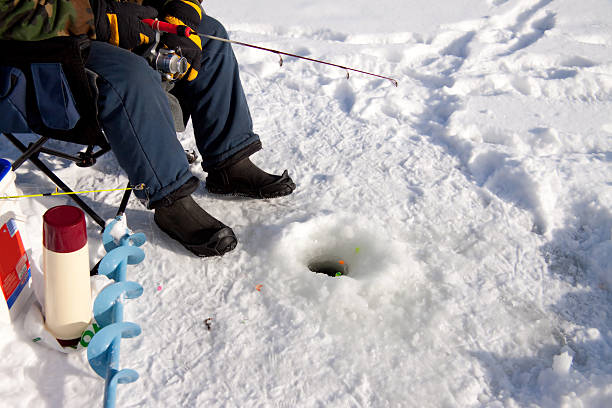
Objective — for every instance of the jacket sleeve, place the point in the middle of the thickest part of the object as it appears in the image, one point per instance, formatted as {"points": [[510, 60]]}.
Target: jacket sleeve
{"points": [[33, 20]]}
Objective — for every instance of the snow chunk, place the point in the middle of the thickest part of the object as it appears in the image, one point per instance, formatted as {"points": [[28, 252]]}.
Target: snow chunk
{"points": [[562, 363], [119, 229]]}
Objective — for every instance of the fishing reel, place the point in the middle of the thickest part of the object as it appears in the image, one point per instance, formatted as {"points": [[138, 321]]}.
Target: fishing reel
{"points": [[169, 63]]}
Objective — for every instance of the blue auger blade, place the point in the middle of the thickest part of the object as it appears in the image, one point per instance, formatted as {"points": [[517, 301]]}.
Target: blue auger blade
{"points": [[124, 376], [111, 261], [120, 377], [106, 299], [138, 239], [97, 351]]}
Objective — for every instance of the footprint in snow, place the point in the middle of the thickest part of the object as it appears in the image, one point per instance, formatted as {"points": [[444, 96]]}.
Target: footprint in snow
{"points": [[346, 96]]}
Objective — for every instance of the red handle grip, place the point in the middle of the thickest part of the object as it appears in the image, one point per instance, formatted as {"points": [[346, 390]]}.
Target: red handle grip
{"points": [[180, 30]]}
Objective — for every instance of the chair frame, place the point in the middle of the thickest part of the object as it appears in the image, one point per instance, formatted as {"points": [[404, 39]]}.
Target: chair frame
{"points": [[71, 52], [85, 158]]}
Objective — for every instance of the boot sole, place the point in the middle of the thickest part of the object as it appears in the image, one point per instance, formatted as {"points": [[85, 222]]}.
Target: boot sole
{"points": [[204, 250], [285, 185], [223, 193]]}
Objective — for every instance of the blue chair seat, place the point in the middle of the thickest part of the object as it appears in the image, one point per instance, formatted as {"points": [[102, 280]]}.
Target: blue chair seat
{"points": [[46, 90]]}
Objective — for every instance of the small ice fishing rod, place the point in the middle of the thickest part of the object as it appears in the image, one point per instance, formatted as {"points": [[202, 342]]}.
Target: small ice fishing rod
{"points": [[185, 31]]}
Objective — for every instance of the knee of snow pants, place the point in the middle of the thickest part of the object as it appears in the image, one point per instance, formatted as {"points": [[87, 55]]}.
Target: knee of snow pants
{"points": [[136, 118], [216, 103]]}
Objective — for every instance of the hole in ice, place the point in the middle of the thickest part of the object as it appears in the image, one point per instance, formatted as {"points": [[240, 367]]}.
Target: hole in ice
{"points": [[329, 265]]}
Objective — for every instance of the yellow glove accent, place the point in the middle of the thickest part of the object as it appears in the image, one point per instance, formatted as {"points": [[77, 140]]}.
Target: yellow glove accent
{"points": [[144, 39], [173, 20], [197, 7], [193, 37], [114, 29], [196, 39], [192, 75]]}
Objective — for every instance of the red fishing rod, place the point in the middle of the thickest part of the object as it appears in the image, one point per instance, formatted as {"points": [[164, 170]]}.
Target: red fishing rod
{"points": [[185, 31]]}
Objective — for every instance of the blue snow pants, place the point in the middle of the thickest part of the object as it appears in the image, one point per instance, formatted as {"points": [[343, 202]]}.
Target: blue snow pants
{"points": [[136, 117]]}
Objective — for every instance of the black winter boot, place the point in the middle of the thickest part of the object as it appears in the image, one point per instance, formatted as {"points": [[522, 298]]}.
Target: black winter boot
{"points": [[247, 180], [179, 216]]}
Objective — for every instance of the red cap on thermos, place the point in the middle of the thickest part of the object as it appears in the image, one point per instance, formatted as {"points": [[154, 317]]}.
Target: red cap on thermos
{"points": [[64, 229]]}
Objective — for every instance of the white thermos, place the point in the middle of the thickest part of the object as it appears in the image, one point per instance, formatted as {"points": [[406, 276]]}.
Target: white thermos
{"points": [[68, 309]]}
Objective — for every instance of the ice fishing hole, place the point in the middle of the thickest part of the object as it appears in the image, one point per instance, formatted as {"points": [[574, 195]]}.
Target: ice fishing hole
{"points": [[330, 266]]}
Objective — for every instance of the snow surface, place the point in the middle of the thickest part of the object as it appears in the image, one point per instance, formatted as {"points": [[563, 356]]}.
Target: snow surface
{"points": [[471, 204]]}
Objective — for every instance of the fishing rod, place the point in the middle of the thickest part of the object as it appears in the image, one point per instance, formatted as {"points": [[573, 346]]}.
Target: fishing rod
{"points": [[185, 31]]}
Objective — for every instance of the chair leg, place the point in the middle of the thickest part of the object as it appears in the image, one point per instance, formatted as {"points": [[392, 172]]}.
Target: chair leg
{"points": [[32, 150], [58, 182], [124, 201]]}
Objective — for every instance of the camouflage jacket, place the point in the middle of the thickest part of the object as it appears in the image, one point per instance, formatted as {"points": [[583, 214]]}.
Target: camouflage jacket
{"points": [[32, 20]]}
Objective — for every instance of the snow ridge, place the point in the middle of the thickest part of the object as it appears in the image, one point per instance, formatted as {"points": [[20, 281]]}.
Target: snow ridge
{"points": [[471, 205]]}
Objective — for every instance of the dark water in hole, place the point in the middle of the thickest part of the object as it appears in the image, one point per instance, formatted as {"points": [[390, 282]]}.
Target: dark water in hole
{"points": [[330, 267]]}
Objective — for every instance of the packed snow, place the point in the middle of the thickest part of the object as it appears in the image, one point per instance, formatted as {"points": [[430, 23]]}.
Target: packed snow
{"points": [[471, 205]]}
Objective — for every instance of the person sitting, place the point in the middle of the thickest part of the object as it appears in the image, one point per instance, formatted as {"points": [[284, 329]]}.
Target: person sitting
{"points": [[134, 110]]}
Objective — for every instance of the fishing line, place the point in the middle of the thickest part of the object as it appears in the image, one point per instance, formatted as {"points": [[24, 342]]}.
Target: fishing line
{"points": [[58, 193]]}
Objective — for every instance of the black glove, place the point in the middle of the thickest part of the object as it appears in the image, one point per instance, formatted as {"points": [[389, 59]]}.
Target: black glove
{"points": [[189, 13], [120, 24]]}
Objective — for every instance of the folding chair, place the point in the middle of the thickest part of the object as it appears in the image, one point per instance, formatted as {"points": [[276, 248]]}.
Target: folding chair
{"points": [[46, 90]]}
